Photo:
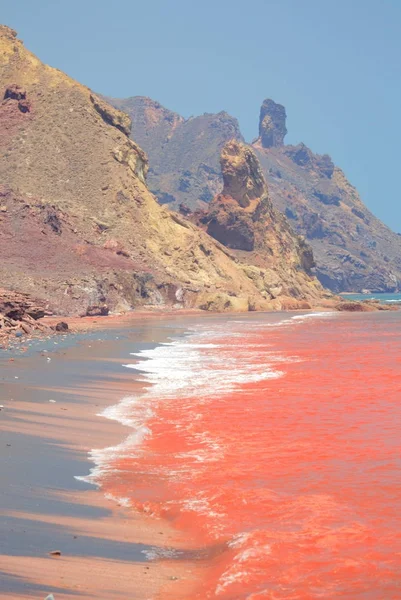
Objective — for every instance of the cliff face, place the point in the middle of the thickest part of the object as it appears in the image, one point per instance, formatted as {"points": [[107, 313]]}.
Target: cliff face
{"points": [[353, 249], [78, 225], [242, 218], [184, 154]]}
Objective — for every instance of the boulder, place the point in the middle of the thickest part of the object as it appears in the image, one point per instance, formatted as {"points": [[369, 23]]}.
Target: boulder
{"points": [[354, 307], [15, 92], [97, 311]]}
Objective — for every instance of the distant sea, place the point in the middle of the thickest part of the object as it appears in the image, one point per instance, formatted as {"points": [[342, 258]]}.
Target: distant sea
{"points": [[385, 298]]}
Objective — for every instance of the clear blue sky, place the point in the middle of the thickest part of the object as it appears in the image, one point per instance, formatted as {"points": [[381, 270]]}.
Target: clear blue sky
{"points": [[334, 64]]}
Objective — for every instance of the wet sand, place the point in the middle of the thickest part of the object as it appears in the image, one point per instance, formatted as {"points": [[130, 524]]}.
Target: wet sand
{"points": [[44, 445]]}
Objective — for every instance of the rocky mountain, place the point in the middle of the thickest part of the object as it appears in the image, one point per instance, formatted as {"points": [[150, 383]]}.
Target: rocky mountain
{"points": [[184, 154], [242, 218], [79, 228], [353, 249]]}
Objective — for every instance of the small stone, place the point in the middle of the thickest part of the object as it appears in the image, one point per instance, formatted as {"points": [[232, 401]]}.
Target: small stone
{"points": [[24, 106], [3, 208], [55, 553]]}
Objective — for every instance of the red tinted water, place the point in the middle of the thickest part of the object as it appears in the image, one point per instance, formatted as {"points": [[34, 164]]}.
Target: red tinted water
{"points": [[296, 478]]}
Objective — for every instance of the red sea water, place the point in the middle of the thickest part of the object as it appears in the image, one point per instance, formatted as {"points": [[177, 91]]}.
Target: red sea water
{"points": [[278, 442]]}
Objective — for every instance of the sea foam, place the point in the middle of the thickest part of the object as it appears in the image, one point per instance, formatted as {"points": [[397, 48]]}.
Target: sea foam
{"points": [[200, 366]]}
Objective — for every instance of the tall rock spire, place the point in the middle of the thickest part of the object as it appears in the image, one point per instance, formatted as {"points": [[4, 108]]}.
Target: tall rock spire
{"points": [[272, 129]]}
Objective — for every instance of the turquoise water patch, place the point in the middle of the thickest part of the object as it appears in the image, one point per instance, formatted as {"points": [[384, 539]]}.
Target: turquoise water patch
{"points": [[385, 298]]}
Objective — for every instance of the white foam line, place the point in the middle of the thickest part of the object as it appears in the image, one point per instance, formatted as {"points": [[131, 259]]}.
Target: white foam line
{"points": [[191, 370], [316, 315]]}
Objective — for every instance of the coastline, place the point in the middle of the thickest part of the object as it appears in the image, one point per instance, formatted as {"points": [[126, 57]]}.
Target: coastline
{"points": [[47, 325], [53, 396], [49, 424]]}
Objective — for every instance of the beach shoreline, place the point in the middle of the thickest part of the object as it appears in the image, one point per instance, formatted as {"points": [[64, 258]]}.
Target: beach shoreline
{"points": [[48, 326], [50, 422], [52, 397]]}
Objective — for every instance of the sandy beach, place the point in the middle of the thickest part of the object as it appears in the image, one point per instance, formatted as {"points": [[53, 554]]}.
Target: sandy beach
{"points": [[215, 517], [51, 397]]}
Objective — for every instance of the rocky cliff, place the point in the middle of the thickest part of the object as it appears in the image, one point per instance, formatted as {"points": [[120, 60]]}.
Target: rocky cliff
{"points": [[184, 154], [242, 218], [353, 249], [78, 225]]}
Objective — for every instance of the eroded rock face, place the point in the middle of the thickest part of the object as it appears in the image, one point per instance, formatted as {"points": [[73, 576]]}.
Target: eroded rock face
{"points": [[242, 218], [72, 181], [111, 116], [242, 176], [183, 153], [244, 187], [352, 248], [19, 315], [16, 306], [315, 194], [130, 154], [272, 129], [231, 227], [17, 93], [304, 157]]}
